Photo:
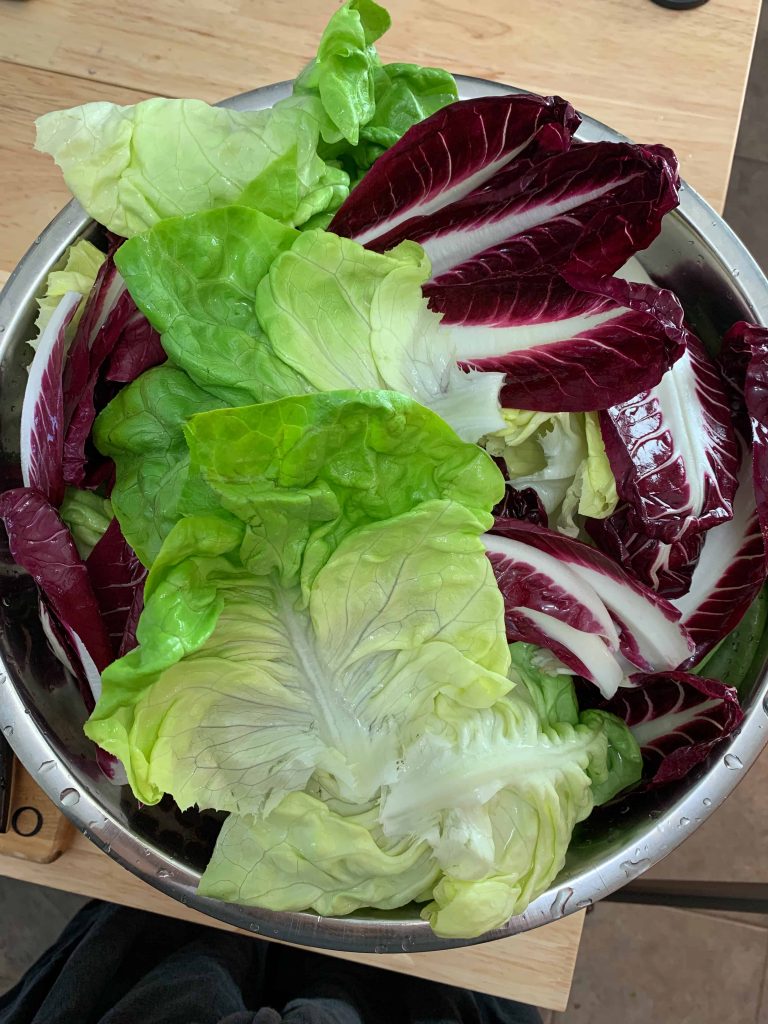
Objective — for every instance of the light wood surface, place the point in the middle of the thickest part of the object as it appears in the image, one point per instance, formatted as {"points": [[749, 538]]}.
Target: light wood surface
{"points": [[653, 74], [536, 967], [37, 830]]}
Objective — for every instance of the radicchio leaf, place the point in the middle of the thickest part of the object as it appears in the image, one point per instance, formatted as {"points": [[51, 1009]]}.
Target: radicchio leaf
{"points": [[745, 353], [113, 340], [116, 575], [454, 152], [583, 211], [42, 545], [730, 571], [520, 504], [665, 568], [565, 350], [42, 413], [676, 719], [673, 449], [547, 604], [651, 636]]}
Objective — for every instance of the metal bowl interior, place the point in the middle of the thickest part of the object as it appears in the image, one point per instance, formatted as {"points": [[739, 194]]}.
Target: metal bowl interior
{"points": [[42, 715]]}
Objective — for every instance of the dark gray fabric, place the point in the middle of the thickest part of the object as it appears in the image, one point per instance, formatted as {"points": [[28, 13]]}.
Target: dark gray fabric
{"points": [[113, 965]]}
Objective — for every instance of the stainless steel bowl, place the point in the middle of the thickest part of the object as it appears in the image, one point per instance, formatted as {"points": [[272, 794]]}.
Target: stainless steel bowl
{"points": [[42, 715]]}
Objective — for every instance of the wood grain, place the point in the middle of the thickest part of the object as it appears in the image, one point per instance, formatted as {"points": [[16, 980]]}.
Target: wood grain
{"points": [[536, 967], [32, 812], [654, 74], [32, 190]]}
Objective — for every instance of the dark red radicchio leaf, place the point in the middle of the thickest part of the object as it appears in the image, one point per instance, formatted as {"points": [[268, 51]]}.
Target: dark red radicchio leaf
{"points": [[565, 349], [113, 341], [547, 604], [651, 636], [117, 577], [521, 504], [42, 545], [456, 151], [42, 413], [745, 356], [665, 568], [676, 719], [582, 211], [729, 574], [673, 449]]}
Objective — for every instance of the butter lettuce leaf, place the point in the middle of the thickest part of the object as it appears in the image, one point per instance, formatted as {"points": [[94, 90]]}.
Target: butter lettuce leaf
{"points": [[132, 166], [306, 854], [331, 595]]}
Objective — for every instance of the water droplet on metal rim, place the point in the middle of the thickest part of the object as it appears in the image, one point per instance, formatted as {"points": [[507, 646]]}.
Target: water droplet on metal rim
{"points": [[69, 797], [733, 762], [560, 902]]}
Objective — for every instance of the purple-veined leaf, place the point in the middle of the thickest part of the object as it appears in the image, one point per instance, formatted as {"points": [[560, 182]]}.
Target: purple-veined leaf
{"points": [[454, 152], [745, 354], [673, 449], [548, 604], [116, 574], [580, 212], [112, 341], [565, 350], [42, 545], [676, 719], [650, 633], [730, 571], [42, 412], [665, 568], [520, 504]]}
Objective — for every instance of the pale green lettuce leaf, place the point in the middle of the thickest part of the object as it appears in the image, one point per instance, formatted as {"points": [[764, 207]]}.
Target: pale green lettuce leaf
{"points": [[302, 472], [297, 692], [304, 854], [562, 456], [131, 167], [496, 793], [330, 678], [81, 265], [87, 515], [345, 317]]}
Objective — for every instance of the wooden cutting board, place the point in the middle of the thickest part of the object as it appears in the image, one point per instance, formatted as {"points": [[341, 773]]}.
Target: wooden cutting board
{"points": [[536, 967]]}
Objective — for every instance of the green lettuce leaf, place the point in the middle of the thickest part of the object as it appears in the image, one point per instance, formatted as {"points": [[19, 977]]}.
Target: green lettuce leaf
{"points": [[131, 167], [304, 854], [331, 679], [623, 766], [551, 694], [301, 472], [404, 95], [142, 429], [562, 456], [496, 793], [87, 515], [82, 262], [342, 74], [344, 317]]}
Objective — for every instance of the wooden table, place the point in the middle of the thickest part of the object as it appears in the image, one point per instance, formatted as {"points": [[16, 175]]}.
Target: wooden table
{"points": [[655, 75]]}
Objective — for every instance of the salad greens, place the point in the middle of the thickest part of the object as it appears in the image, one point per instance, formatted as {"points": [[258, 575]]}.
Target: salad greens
{"points": [[309, 458], [562, 456]]}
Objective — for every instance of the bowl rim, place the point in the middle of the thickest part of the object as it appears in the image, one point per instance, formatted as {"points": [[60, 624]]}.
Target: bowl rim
{"points": [[33, 744]]}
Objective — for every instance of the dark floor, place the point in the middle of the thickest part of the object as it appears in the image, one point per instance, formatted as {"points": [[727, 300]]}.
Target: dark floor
{"points": [[691, 968]]}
